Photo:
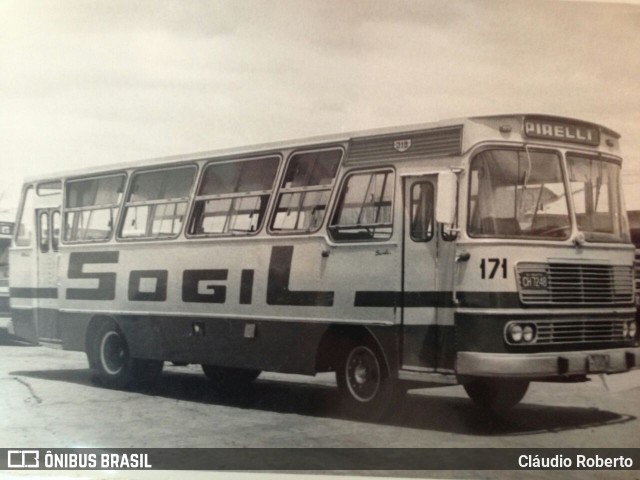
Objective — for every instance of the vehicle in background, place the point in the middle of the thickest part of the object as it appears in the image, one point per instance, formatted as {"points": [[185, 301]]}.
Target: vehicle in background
{"points": [[6, 232], [634, 228]]}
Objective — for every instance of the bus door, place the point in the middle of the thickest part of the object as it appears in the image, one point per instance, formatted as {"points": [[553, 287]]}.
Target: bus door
{"points": [[420, 277], [48, 241]]}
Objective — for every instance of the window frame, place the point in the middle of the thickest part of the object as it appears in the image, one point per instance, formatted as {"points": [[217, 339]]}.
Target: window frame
{"points": [[46, 246], [331, 188], [433, 219], [65, 209], [518, 148], [336, 204], [223, 196], [598, 237], [125, 204], [55, 239]]}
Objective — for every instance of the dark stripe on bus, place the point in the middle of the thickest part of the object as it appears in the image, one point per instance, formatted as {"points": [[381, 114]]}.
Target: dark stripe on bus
{"points": [[19, 292], [437, 299], [489, 299], [421, 299]]}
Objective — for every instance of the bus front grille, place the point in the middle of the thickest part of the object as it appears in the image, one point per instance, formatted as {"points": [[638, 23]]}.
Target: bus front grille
{"points": [[579, 331], [575, 284]]}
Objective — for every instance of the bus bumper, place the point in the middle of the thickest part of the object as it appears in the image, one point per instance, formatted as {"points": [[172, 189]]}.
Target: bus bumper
{"points": [[542, 365]]}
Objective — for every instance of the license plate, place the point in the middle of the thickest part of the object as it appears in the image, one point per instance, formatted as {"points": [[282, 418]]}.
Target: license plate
{"points": [[534, 280], [598, 363]]}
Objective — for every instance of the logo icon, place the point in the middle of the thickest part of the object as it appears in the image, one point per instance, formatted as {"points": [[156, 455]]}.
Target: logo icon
{"points": [[23, 458], [402, 145]]}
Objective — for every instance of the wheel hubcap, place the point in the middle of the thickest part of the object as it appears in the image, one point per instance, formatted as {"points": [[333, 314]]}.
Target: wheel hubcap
{"points": [[363, 374], [112, 353]]}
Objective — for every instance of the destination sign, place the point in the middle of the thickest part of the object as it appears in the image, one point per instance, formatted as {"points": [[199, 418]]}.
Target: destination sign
{"points": [[561, 131]]}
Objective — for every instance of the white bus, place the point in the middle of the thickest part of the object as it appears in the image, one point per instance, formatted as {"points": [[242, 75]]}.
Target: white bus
{"points": [[486, 251]]}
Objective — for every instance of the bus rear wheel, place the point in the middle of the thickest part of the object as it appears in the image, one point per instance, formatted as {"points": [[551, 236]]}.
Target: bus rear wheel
{"points": [[365, 388], [496, 395], [230, 378], [110, 359]]}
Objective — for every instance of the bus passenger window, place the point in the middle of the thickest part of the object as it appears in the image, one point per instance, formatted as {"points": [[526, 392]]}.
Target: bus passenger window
{"points": [[233, 197], [91, 208], [364, 207], [422, 202], [305, 191], [157, 203]]}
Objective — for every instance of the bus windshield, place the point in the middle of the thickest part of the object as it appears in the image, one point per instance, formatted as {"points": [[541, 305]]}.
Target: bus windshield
{"points": [[518, 193], [594, 187], [521, 193]]}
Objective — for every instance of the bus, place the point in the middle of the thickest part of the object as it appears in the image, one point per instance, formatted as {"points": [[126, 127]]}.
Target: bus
{"points": [[6, 231], [486, 251]]}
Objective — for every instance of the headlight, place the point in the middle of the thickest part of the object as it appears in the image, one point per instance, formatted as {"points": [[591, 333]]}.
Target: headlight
{"points": [[633, 329], [515, 333], [521, 332], [528, 333]]}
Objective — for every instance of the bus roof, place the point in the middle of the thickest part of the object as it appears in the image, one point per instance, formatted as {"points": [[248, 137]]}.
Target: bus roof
{"points": [[264, 148]]}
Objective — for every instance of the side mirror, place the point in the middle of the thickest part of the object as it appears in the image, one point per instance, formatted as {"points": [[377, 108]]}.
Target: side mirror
{"points": [[446, 199]]}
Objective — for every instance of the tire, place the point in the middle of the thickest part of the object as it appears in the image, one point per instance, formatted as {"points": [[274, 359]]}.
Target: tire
{"points": [[366, 391], [229, 378], [496, 395], [114, 367]]}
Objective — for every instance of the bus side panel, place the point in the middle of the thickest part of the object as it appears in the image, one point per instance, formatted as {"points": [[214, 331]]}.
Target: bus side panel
{"points": [[24, 324], [446, 347], [431, 346], [23, 294], [265, 345], [73, 330], [49, 328], [286, 347]]}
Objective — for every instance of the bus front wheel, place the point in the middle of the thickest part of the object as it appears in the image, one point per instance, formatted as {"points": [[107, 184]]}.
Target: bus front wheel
{"points": [[496, 395], [114, 367], [366, 390]]}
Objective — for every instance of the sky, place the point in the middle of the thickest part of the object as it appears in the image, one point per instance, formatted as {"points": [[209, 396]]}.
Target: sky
{"points": [[95, 82]]}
